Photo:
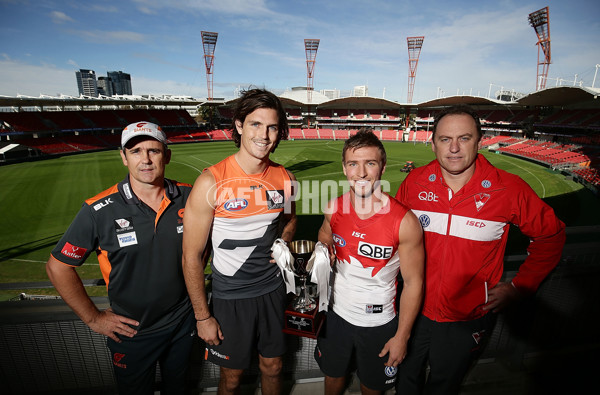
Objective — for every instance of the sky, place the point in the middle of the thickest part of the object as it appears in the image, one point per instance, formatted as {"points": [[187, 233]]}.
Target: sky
{"points": [[470, 47]]}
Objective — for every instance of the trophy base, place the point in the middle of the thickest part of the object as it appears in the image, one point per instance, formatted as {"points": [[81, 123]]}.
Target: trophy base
{"points": [[307, 324]]}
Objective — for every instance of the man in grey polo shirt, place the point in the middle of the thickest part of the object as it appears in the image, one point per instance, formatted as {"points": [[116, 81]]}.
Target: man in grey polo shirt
{"points": [[136, 228]]}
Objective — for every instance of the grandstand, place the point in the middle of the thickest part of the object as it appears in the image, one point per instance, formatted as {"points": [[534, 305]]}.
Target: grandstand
{"points": [[557, 127], [561, 135]]}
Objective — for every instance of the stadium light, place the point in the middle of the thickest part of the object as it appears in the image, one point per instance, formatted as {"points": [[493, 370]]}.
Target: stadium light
{"points": [[594, 81], [414, 50], [540, 21], [209, 41], [310, 46]]}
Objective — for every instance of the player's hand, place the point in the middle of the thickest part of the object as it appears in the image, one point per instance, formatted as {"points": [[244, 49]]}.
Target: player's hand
{"points": [[396, 350], [210, 331], [501, 296], [109, 324], [331, 250]]}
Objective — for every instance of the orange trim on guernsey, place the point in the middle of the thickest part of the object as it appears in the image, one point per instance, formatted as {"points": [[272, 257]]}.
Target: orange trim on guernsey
{"points": [[62, 261], [163, 206], [103, 194], [105, 266]]}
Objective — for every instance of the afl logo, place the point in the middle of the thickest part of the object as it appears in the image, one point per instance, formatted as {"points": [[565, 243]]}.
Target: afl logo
{"points": [[424, 220], [486, 183], [235, 204], [337, 239], [432, 177], [390, 371]]}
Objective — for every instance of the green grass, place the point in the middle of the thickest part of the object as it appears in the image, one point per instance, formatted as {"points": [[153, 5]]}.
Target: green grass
{"points": [[39, 199]]}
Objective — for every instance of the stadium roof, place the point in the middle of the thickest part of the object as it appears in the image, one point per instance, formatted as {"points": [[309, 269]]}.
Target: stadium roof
{"points": [[562, 96], [365, 102], [86, 101], [452, 100], [300, 95]]}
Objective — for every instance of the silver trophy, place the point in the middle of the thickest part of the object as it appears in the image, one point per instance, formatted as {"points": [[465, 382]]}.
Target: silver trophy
{"points": [[302, 250]]}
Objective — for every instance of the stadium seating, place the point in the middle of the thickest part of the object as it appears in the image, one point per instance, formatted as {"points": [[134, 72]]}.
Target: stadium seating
{"points": [[389, 135], [219, 134], [489, 141], [295, 133], [326, 133], [48, 145], [58, 132], [310, 133], [23, 121], [340, 134]]}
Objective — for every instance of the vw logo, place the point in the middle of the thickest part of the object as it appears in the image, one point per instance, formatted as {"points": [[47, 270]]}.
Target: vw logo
{"points": [[424, 220]]}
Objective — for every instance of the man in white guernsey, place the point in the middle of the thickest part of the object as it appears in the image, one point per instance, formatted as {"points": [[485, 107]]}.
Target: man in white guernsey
{"points": [[371, 238]]}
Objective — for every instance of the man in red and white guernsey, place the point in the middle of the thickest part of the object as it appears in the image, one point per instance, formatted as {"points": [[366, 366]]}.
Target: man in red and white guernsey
{"points": [[465, 206], [136, 229], [371, 238], [242, 205]]}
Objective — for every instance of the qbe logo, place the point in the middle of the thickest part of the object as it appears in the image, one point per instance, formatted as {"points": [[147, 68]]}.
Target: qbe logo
{"points": [[428, 196], [374, 251], [235, 204]]}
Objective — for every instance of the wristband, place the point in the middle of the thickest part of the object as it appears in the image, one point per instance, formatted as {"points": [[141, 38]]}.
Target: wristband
{"points": [[204, 319]]}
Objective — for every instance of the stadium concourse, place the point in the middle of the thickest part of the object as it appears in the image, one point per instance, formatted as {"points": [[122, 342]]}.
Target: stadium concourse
{"points": [[557, 127]]}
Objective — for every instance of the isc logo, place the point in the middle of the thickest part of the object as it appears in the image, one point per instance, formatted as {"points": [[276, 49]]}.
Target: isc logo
{"points": [[476, 224], [235, 204], [374, 251]]}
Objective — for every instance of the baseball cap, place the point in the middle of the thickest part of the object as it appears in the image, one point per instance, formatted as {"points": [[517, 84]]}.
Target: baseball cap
{"points": [[142, 128]]}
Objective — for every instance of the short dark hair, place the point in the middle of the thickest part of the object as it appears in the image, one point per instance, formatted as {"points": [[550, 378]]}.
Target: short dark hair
{"points": [[252, 100], [458, 109], [364, 138]]}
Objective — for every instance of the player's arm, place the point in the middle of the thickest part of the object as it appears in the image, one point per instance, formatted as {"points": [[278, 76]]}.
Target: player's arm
{"points": [[412, 257], [401, 194], [290, 219], [325, 235], [70, 287], [197, 221]]}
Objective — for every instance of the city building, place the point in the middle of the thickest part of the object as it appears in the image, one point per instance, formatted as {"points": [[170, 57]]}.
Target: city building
{"points": [[105, 86], [121, 82], [86, 82], [361, 90]]}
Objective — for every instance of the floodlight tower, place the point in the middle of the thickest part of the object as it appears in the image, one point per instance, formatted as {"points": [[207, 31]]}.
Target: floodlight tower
{"points": [[310, 46], [414, 50], [540, 21], [209, 41]]}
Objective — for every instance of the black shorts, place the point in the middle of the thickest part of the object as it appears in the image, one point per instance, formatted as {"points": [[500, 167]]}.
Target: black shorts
{"points": [[134, 359], [342, 346], [248, 324]]}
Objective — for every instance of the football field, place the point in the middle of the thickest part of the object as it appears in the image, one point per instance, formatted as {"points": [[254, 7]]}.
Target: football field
{"points": [[39, 199]]}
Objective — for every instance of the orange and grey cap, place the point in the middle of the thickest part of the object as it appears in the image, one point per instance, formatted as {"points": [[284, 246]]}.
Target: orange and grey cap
{"points": [[143, 129]]}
